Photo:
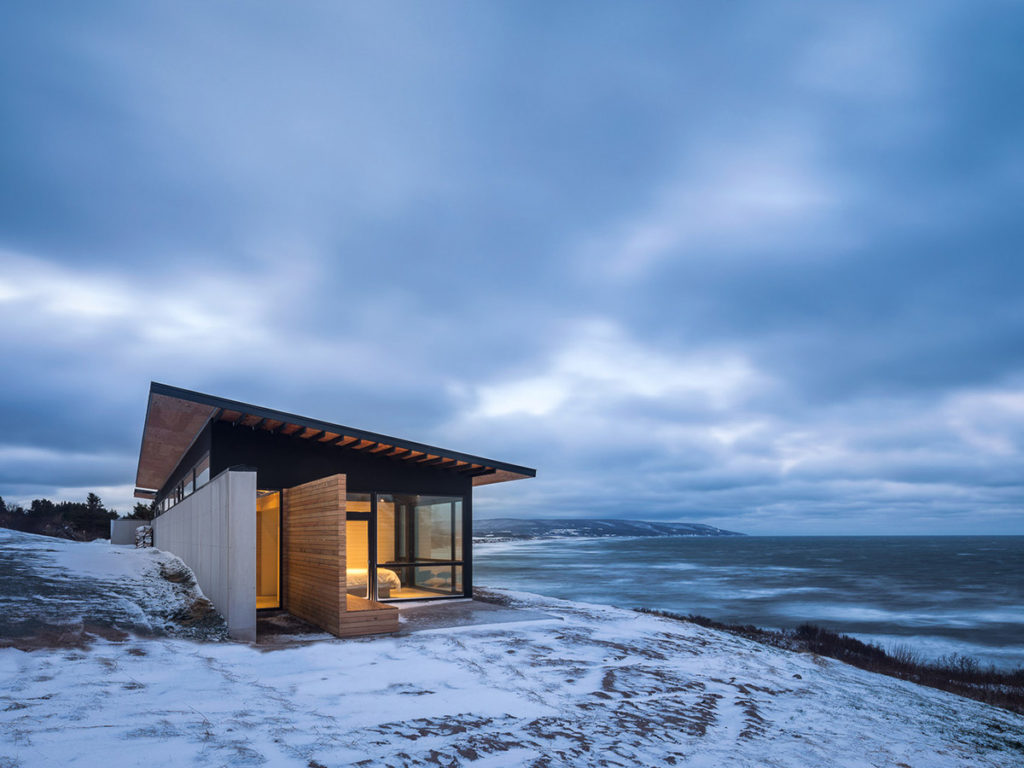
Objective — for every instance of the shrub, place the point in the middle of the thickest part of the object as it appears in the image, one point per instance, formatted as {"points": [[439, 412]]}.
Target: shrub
{"points": [[956, 673]]}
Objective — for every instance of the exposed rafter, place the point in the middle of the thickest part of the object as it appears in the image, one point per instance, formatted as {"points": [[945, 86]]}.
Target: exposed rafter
{"points": [[175, 416]]}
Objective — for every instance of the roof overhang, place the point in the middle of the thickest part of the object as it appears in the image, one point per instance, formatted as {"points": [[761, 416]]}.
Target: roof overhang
{"points": [[172, 423], [175, 417]]}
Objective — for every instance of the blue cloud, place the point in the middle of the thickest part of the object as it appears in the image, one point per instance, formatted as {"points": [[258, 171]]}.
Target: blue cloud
{"points": [[746, 264]]}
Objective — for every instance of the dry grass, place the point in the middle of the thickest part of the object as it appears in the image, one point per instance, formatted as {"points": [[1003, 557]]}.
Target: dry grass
{"points": [[956, 673]]}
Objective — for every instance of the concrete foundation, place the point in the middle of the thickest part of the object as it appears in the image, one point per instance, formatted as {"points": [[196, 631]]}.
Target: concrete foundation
{"points": [[214, 532]]}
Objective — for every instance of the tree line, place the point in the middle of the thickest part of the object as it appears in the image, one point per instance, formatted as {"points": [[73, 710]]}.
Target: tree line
{"points": [[75, 520]]}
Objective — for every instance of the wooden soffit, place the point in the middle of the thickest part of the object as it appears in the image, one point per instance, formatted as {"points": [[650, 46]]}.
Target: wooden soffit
{"points": [[171, 426], [499, 476]]}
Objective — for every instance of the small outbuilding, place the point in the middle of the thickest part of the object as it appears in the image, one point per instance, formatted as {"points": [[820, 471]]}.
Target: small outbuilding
{"points": [[331, 523]]}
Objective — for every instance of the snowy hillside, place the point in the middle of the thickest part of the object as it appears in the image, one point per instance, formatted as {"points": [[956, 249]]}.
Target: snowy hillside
{"points": [[590, 686], [56, 588]]}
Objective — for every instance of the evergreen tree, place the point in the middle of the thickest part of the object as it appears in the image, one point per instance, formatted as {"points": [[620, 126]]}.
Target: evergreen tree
{"points": [[68, 519], [11, 516], [143, 511], [41, 509]]}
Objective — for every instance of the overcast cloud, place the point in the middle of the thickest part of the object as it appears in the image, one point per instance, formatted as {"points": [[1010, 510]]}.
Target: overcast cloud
{"points": [[755, 265]]}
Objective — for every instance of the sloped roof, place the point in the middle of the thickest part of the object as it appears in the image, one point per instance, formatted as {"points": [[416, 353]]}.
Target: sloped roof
{"points": [[175, 417]]}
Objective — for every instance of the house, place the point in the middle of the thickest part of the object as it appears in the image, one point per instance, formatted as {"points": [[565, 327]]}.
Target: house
{"points": [[330, 523]]}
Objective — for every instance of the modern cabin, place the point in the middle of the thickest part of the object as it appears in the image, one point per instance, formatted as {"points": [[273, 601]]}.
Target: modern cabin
{"points": [[330, 523]]}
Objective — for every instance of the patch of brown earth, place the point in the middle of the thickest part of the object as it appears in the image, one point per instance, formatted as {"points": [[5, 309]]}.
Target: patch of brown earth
{"points": [[177, 574], [52, 636]]}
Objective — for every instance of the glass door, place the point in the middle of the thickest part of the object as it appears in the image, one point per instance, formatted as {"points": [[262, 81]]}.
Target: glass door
{"points": [[358, 559], [268, 549]]}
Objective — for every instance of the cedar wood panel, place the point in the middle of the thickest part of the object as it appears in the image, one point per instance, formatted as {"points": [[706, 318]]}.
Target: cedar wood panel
{"points": [[313, 551], [313, 585]]}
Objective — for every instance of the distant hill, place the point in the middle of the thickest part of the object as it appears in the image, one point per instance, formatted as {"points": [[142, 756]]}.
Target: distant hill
{"points": [[512, 528]]}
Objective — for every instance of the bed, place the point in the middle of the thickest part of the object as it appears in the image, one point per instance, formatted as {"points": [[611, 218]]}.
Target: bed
{"points": [[355, 582], [436, 579]]}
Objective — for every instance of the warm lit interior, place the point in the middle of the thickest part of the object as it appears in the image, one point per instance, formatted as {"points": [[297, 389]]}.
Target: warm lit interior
{"points": [[419, 546], [357, 557], [268, 549]]}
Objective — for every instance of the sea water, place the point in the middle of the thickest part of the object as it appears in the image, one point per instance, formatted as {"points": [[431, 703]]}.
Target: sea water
{"points": [[936, 595]]}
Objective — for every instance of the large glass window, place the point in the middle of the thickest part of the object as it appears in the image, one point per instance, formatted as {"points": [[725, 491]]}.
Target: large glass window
{"points": [[193, 480], [419, 546], [418, 581], [202, 471]]}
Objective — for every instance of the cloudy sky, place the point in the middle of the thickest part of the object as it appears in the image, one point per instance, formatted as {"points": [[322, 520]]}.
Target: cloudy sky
{"points": [[756, 265]]}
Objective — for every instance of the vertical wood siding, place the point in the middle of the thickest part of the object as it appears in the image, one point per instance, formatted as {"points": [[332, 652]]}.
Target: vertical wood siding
{"points": [[313, 551]]}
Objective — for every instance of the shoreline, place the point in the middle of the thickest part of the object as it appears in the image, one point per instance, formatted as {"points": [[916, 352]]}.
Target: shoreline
{"points": [[783, 583]]}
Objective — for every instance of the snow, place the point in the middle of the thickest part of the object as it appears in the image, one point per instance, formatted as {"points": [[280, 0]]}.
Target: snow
{"points": [[55, 582], [595, 686]]}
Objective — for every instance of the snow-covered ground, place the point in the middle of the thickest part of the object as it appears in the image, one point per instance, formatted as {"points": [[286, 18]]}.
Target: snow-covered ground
{"points": [[51, 587], [595, 686]]}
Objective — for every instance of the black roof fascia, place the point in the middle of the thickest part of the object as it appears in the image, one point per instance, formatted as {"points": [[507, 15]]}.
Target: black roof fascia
{"points": [[324, 426]]}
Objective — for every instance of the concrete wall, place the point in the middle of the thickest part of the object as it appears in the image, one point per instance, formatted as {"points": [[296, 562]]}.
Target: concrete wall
{"points": [[123, 531], [214, 532]]}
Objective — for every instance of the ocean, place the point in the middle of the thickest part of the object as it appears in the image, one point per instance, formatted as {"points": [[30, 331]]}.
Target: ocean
{"points": [[934, 594]]}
